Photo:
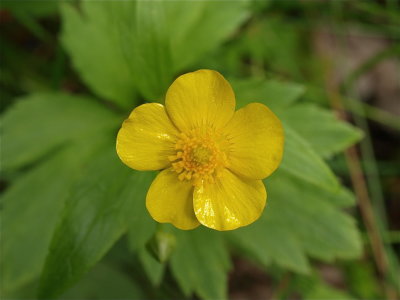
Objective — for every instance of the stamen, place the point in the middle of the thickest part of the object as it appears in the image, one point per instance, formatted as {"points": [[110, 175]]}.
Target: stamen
{"points": [[199, 156]]}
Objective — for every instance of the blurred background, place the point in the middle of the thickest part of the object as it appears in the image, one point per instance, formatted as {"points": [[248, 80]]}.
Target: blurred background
{"points": [[70, 73]]}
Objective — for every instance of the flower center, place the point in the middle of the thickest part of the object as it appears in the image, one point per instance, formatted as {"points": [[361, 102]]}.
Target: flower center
{"points": [[198, 157], [201, 155]]}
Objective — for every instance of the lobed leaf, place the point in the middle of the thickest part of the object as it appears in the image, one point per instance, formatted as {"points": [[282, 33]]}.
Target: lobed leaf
{"points": [[142, 45], [275, 94], [300, 220], [313, 286], [90, 36], [270, 243], [323, 131], [96, 214], [30, 211], [322, 290], [201, 26], [200, 263], [141, 227], [300, 159], [154, 269], [320, 234], [37, 124], [105, 282]]}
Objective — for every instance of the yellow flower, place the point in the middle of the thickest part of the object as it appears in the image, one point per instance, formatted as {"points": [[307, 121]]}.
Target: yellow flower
{"points": [[212, 158]]}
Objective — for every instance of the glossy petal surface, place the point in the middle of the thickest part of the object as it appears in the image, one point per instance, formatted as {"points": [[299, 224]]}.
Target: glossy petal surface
{"points": [[147, 138], [200, 99], [230, 202], [256, 137], [170, 200]]}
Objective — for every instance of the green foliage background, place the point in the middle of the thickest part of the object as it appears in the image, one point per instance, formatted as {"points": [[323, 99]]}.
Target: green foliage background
{"points": [[74, 223]]}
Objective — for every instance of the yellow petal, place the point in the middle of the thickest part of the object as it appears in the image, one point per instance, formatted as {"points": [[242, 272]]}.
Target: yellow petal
{"points": [[170, 200], [256, 137], [200, 99], [230, 202], [147, 138]]}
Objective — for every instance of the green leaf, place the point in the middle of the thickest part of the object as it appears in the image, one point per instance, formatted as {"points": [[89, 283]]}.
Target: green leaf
{"points": [[300, 159], [143, 44], [201, 26], [145, 37], [275, 94], [300, 220], [332, 136], [105, 282], [268, 243], [96, 214], [324, 230], [276, 45], [163, 38], [200, 263], [362, 280], [314, 287], [31, 207], [321, 290], [341, 198], [141, 229], [39, 123], [153, 268], [141, 226], [39, 8], [91, 37]]}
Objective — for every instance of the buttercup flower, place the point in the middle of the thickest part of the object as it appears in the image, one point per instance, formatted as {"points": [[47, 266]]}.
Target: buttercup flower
{"points": [[212, 158]]}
